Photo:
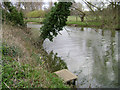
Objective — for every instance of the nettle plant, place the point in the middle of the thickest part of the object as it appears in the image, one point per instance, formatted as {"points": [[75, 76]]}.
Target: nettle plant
{"points": [[55, 20]]}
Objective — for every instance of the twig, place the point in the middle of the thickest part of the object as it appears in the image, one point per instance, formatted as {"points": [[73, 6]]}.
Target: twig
{"points": [[7, 85], [59, 33], [19, 61], [66, 30]]}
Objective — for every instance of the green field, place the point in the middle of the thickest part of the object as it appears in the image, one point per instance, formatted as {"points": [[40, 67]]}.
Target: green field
{"points": [[71, 20], [37, 20], [87, 22], [74, 18], [84, 24]]}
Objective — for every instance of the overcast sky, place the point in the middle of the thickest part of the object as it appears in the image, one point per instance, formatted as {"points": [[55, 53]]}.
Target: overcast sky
{"points": [[97, 2], [83, 4]]}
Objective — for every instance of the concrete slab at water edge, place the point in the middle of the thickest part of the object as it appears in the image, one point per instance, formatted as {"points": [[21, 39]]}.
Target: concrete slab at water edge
{"points": [[66, 75]]}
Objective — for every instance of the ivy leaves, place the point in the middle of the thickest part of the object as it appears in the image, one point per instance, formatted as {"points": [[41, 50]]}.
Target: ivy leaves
{"points": [[55, 20], [10, 14]]}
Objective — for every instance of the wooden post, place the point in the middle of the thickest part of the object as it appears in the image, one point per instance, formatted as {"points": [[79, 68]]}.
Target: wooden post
{"points": [[74, 81]]}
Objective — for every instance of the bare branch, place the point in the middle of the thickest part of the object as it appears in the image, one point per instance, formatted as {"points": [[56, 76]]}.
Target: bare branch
{"points": [[79, 10], [88, 6], [93, 5]]}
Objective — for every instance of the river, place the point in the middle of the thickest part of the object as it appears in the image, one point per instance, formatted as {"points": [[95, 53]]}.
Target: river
{"points": [[90, 53]]}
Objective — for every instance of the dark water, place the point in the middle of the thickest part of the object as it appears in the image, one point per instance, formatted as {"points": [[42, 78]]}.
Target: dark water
{"points": [[90, 53]]}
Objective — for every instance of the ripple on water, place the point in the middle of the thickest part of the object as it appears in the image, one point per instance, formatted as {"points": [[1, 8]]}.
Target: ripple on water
{"points": [[90, 53]]}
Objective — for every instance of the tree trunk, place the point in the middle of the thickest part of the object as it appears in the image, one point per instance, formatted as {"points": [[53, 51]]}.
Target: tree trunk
{"points": [[76, 19], [118, 15], [82, 18]]}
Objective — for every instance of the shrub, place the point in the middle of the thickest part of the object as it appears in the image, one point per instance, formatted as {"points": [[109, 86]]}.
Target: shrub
{"points": [[36, 14], [10, 14], [10, 50]]}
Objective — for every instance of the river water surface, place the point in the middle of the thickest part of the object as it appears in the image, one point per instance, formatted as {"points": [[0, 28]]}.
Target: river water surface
{"points": [[90, 53]]}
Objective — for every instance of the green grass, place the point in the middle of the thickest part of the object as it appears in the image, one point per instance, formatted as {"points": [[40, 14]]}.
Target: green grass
{"points": [[70, 21], [85, 24], [77, 18], [36, 14], [25, 76], [73, 18], [89, 21], [18, 75], [36, 20], [25, 65]]}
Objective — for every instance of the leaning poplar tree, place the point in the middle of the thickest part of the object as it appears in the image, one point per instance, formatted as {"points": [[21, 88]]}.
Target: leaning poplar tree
{"points": [[55, 20]]}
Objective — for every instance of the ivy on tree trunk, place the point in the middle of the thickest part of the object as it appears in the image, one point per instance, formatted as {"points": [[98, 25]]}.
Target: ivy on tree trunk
{"points": [[55, 20]]}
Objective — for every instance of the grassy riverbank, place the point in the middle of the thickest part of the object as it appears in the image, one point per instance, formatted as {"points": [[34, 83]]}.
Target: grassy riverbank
{"points": [[35, 20], [76, 21], [71, 22], [84, 24], [26, 64]]}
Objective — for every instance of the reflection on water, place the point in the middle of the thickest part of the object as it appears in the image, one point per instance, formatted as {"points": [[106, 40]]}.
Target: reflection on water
{"points": [[55, 62], [92, 54]]}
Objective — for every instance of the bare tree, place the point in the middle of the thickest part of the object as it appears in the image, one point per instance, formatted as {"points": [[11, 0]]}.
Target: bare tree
{"points": [[78, 11], [29, 6]]}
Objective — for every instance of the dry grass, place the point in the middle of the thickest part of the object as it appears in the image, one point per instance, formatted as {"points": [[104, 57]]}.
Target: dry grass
{"points": [[39, 75], [18, 37]]}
